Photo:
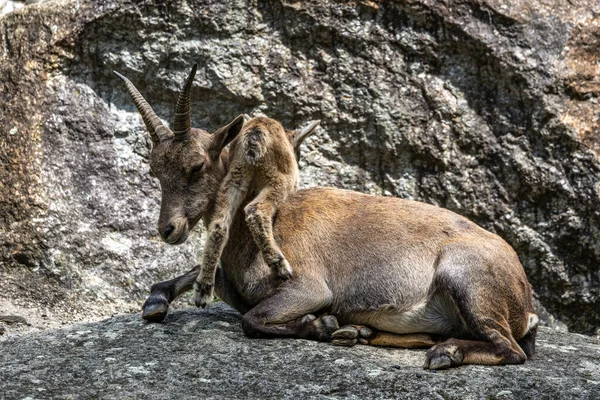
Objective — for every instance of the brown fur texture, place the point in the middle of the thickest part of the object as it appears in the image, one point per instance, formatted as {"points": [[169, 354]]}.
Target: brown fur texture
{"points": [[398, 267], [262, 173]]}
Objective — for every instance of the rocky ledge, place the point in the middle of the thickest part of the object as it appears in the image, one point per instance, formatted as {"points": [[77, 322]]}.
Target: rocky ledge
{"points": [[204, 354]]}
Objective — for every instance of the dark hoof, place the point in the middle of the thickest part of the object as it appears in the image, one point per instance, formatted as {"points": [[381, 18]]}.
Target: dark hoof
{"points": [[350, 335], [346, 332], [155, 309], [345, 342], [203, 294], [324, 326], [443, 356], [330, 323]]}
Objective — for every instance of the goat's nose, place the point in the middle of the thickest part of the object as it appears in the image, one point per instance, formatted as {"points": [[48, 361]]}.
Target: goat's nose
{"points": [[168, 230]]}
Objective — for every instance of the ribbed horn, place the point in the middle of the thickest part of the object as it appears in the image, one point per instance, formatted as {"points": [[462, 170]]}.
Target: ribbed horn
{"points": [[181, 125], [155, 127], [306, 132]]}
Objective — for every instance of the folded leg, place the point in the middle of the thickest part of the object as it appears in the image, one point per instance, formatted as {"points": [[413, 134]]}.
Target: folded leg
{"points": [[290, 312]]}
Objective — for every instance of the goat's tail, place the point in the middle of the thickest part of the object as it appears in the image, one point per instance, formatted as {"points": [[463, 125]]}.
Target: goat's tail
{"points": [[255, 142], [527, 342]]}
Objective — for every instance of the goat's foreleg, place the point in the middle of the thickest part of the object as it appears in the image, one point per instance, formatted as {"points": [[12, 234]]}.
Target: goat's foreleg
{"points": [[164, 293], [293, 311], [259, 217], [229, 199]]}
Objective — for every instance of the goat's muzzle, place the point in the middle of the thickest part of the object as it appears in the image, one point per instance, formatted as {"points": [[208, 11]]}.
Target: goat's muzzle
{"points": [[174, 232]]}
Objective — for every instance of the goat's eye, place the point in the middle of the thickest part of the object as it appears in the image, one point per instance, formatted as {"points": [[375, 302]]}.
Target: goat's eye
{"points": [[196, 172]]}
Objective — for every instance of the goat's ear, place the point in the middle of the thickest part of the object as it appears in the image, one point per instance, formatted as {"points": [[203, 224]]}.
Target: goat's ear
{"points": [[223, 136], [304, 133]]}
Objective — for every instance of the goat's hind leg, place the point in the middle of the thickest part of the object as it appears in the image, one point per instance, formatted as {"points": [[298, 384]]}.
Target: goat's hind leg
{"points": [[164, 293], [259, 217], [495, 319], [493, 344]]}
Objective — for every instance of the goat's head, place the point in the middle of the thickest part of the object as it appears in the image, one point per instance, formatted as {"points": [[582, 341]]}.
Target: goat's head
{"points": [[189, 163], [296, 136]]}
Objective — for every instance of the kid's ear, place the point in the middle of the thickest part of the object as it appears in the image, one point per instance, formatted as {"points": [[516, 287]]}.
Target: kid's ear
{"points": [[305, 132], [224, 135]]}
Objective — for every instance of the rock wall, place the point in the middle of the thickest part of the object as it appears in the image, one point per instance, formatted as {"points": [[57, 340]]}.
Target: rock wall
{"points": [[488, 108]]}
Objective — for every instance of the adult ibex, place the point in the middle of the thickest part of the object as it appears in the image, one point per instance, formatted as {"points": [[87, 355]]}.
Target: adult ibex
{"points": [[395, 272]]}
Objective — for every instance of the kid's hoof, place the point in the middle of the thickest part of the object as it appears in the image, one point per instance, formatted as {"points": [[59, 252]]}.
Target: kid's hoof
{"points": [[201, 300], [443, 356], [203, 294], [155, 309], [350, 335], [281, 269]]}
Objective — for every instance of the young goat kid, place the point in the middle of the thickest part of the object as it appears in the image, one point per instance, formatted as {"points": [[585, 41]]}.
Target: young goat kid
{"points": [[263, 168]]}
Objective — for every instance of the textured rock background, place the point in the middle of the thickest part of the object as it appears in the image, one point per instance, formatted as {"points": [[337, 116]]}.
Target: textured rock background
{"points": [[488, 108], [205, 355]]}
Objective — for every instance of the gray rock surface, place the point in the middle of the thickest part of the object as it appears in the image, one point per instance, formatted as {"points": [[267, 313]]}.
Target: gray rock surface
{"points": [[488, 108], [204, 355], [7, 6]]}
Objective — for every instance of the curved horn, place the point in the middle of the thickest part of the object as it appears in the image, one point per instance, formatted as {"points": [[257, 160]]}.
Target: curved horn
{"points": [[155, 127], [306, 132], [181, 125]]}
